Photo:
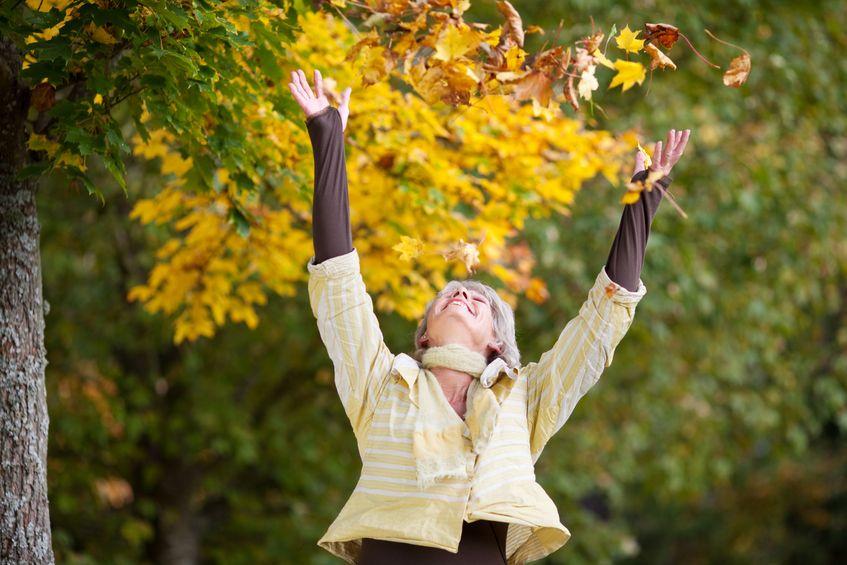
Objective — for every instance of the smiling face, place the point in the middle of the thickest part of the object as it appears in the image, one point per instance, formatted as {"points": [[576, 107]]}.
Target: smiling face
{"points": [[462, 315]]}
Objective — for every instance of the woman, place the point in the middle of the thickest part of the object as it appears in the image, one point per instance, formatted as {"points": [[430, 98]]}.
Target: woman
{"points": [[449, 436]]}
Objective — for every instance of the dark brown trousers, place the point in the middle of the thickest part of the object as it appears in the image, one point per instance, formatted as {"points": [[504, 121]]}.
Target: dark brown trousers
{"points": [[483, 543]]}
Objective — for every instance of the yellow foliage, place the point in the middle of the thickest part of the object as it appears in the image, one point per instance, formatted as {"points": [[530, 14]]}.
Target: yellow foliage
{"points": [[627, 41], [464, 182], [629, 73]]}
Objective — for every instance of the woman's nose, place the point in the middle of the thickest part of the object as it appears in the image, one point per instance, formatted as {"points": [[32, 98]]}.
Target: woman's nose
{"points": [[461, 291]]}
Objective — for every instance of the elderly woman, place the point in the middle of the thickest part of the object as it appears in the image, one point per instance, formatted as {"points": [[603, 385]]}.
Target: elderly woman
{"points": [[449, 436]]}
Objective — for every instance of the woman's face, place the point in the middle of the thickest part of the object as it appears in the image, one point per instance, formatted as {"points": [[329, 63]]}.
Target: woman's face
{"points": [[462, 316]]}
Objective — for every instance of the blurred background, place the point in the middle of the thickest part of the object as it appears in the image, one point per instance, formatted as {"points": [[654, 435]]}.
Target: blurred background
{"points": [[717, 435]]}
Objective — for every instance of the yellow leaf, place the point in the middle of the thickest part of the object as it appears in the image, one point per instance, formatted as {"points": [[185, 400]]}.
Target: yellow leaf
{"points": [[630, 196], [602, 59], [627, 41], [455, 41], [39, 142], [467, 253], [408, 247], [100, 35], [629, 73], [647, 159]]}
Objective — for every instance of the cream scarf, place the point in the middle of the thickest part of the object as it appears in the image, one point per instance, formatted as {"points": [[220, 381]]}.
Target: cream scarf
{"points": [[439, 443]]}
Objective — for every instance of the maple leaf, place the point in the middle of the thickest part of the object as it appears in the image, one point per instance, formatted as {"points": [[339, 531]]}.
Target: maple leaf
{"points": [[627, 41], [467, 253], [647, 159], [455, 41], [409, 248], [665, 34], [738, 71], [657, 58], [588, 82], [602, 59], [629, 73], [100, 35], [536, 85]]}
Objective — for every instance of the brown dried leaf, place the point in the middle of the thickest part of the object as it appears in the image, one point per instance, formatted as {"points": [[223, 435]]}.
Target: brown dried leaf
{"points": [[43, 96], [536, 85], [553, 62], [570, 94], [738, 71], [657, 58], [513, 27], [593, 41], [665, 34], [467, 253]]}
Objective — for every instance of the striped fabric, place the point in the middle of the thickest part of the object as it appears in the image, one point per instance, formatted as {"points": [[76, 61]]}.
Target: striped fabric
{"points": [[374, 387]]}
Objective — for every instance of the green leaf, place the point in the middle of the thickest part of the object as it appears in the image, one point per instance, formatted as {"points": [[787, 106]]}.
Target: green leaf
{"points": [[242, 226]]}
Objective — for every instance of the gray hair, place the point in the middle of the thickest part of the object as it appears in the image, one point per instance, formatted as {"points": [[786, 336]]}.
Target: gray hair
{"points": [[501, 314]]}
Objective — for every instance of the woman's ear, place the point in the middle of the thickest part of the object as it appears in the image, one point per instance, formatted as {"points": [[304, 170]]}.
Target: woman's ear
{"points": [[423, 340], [496, 346]]}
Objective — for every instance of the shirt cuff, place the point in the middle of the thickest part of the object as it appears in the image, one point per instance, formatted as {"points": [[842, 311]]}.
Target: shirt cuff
{"points": [[617, 293], [340, 265], [318, 113]]}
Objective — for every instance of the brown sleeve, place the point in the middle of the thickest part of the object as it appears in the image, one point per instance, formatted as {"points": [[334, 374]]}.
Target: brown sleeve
{"points": [[330, 207], [626, 258]]}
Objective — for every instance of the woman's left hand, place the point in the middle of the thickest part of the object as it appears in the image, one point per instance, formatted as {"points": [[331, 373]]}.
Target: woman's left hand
{"points": [[665, 156]]}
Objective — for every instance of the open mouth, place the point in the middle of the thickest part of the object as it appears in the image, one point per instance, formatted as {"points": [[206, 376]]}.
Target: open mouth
{"points": [[459, 303]]}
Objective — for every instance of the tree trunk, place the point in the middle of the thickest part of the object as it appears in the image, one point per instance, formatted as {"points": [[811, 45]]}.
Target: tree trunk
{"points": [[24, 509]]}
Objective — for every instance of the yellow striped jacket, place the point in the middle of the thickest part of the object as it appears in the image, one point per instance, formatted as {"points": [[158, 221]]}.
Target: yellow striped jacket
{"points": [[535, 401]]}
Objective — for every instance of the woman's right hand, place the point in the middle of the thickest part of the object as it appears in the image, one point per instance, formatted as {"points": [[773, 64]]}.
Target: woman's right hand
{"points": [[314, 102]]}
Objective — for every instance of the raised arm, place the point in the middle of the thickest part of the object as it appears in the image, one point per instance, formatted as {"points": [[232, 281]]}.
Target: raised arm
{"points": [[586, 346], [340, 303]]}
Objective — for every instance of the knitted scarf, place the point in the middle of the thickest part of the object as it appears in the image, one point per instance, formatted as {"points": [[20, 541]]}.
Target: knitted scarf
{"points": [[440, 436]]}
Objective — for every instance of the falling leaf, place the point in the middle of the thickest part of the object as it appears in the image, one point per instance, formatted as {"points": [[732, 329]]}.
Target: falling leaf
{"points": [[602, 59], [455, 41], [738, 71], [467, 253], [627, 41], [409, 248], [647, 159], [665, 34], [657, 58], [553, 62], [588, 82], [513, 27], [535, 85], [629, 73], [611, 289]]}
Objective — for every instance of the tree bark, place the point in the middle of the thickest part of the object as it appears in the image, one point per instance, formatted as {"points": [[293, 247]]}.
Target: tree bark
{"points": [[24, 508]]}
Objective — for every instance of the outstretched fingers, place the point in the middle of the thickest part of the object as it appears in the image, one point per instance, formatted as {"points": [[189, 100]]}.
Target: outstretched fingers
{"points": [[319, 84], [304, 84], [297, 89]]}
